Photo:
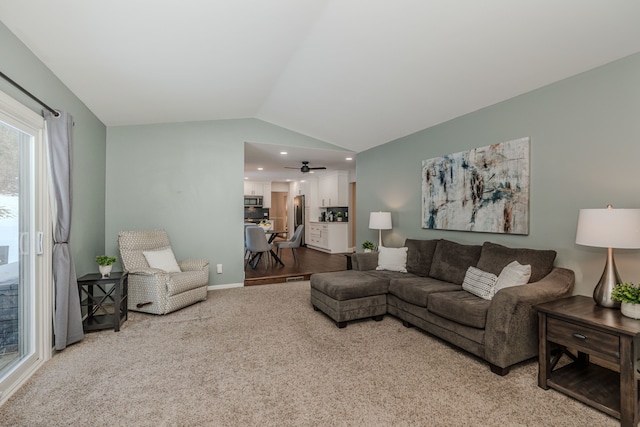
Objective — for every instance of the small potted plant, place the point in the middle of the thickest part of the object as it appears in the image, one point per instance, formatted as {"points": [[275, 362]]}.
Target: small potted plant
{"points": [[368, 246], [105, 264], [629, 296], [339, 216]]}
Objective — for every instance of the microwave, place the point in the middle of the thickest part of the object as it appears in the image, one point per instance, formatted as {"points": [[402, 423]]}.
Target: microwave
{"points": [[253, 201]]}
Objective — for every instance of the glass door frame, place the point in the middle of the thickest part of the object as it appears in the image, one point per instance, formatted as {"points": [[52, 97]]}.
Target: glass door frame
{"points": [[41, 299]]}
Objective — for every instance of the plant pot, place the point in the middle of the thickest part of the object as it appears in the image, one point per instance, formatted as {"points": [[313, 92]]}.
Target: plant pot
{"points": [[105, 270], [367, 250], [630, 310]]}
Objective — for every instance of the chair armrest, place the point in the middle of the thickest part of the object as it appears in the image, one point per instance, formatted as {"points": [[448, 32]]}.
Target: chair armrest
{"points": [[193, 264], [363, 261], [511, 332], [146, 271]]}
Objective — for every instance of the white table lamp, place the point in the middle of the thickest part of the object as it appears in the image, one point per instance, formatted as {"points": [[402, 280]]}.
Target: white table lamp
{"points": [[608, 228], [380, 221]]}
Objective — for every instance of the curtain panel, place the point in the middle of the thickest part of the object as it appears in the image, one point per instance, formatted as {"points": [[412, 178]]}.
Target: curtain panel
{"points": [[67, 321]]}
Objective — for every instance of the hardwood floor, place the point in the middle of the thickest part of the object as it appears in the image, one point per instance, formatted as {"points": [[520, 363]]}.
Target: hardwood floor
{"points": [[309, 261]]}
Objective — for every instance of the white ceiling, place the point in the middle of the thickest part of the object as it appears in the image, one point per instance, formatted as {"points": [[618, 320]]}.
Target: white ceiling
{"points": [[355, 73], [282, 167]]}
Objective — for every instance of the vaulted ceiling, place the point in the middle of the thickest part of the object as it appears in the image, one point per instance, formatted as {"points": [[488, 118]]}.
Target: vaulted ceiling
{"points": [[355, 73]]}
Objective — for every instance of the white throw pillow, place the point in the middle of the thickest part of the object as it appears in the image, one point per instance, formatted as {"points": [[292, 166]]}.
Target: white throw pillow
{"points": [[162, 260], [392, 259], [480, 283], [514, 274]]}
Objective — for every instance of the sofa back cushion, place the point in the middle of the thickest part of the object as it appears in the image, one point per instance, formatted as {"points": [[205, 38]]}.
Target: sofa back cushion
{"points": [[419, 256], [495, 257], [451, 261]]}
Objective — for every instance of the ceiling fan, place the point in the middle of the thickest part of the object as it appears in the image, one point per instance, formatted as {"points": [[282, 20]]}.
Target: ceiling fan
{"points": [[305, 167]]}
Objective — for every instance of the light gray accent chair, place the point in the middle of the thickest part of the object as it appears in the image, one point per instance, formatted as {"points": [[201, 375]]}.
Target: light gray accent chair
{"points": [[155, 291], [293, 243], [257, 245]]}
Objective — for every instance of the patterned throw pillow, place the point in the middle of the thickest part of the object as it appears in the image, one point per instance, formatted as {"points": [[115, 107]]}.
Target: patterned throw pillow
{"points": [[480, 283]]}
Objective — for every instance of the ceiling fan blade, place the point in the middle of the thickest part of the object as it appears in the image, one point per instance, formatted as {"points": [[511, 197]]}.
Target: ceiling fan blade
{"points": [[289, 167], [321, 167]]}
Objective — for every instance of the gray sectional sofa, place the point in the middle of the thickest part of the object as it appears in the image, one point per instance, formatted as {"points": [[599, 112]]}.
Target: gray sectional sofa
{"points": [[502, 330]]}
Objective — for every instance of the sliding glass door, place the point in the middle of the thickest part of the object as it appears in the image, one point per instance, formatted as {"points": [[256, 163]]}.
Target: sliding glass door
{"points": [[25, 283]]}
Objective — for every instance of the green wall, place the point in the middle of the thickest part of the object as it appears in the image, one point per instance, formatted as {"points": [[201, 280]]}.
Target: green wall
{"points": [[188, 178], [87, 228], [585, 149]]}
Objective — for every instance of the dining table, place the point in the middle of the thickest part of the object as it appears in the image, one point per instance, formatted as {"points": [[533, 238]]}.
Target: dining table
{"points": [[272, 237]]}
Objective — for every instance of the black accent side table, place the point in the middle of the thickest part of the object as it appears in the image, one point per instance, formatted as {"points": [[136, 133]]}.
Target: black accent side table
{"points": [[103, 301]]}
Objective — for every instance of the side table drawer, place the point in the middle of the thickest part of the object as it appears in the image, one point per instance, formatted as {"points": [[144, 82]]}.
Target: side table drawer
{"points": [[583, 338]]}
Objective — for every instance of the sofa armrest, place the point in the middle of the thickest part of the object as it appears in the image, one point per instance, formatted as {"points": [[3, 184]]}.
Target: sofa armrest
{"points": [[193, 264], [511, 332], [364, 261]]}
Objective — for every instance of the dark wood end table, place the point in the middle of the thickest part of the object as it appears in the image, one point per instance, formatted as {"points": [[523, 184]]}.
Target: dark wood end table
{"points": [[578, 324], [103, 301]]}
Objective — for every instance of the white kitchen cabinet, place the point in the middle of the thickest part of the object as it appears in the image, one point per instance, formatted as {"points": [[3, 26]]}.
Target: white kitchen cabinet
{"points": [[318, 236], [299, 188], [333, 189], [266, 194], [331, 237], [253, 188]]}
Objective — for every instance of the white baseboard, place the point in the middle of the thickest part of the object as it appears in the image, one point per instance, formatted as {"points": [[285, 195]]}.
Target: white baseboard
{"points": [[224, 286]]}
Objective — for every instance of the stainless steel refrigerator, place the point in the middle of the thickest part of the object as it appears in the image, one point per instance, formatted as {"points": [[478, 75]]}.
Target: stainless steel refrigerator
{"points": [[298, 214]]}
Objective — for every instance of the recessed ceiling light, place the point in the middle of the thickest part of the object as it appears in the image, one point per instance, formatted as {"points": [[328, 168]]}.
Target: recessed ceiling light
{"points": [[349, 158], [288, 180], [260, 169], [246, 177], [283, 153]]}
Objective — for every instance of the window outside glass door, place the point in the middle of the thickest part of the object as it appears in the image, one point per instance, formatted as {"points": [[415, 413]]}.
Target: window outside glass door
{"points": [[14, 259], [24, 272]]}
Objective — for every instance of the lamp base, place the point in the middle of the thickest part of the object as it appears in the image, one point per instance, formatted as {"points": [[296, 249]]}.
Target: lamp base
{"points": [[609, 279]]}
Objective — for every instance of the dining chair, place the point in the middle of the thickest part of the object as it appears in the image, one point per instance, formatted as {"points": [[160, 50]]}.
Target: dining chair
{"points": [[293, 243], [257, 245], [247, 254]]}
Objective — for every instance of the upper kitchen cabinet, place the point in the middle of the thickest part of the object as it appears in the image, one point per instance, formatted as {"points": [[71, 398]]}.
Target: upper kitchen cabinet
{"points": [[253, 188], [333, 189], [266, 194], [299, 188]]}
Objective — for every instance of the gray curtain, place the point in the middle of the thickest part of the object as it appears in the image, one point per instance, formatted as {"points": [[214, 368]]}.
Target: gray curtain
{"points": [[67, 319]]}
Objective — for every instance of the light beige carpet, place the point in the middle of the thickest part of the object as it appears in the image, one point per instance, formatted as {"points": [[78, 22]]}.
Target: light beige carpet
{"points": [[260, 356]]}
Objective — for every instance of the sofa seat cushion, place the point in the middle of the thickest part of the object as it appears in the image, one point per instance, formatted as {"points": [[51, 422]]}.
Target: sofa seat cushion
{"points": [[417, 290], [451, 261], [350, 284], [462, 307], [495, 257]]}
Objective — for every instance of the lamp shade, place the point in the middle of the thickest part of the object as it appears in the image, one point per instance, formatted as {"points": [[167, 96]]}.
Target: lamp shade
{"points": [[380, 220], [609, 228]]}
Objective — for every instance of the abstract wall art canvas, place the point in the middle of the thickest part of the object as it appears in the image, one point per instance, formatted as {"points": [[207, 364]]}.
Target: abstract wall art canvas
{"points": [[484, 190]]}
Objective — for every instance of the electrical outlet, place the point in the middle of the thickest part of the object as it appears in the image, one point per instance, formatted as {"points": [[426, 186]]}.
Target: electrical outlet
{"points": [[219, 268]]}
